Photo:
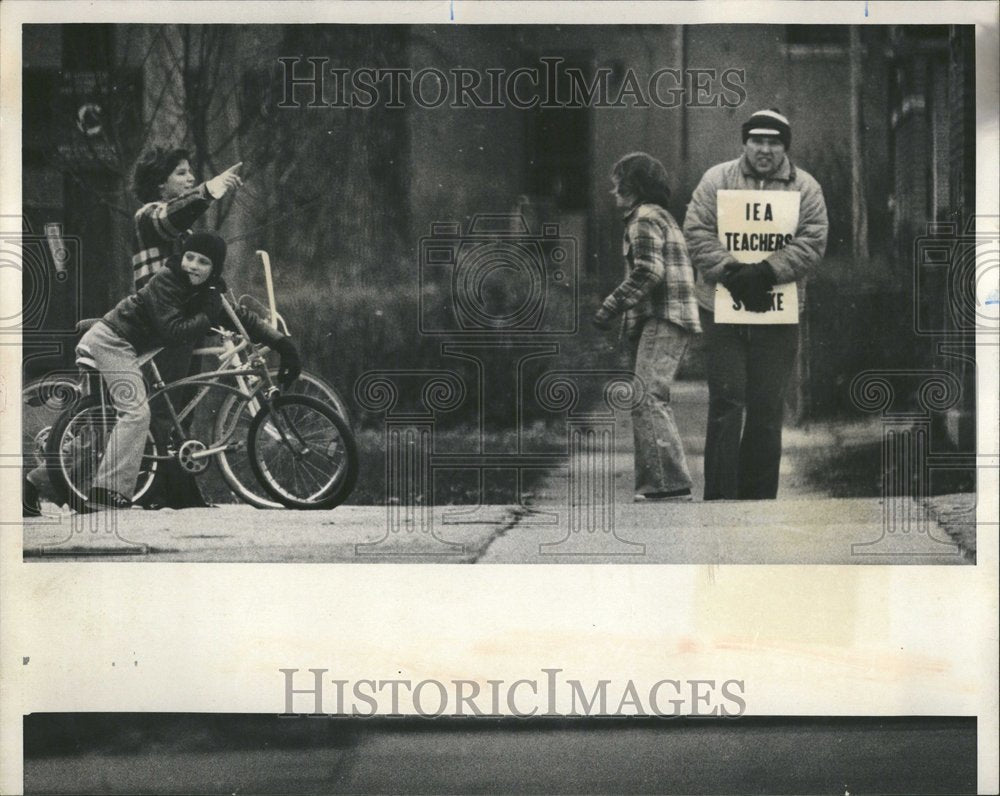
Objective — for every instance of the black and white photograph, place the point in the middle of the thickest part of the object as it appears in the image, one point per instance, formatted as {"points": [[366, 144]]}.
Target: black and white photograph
{"points": [[502, 294], [641, 291]]}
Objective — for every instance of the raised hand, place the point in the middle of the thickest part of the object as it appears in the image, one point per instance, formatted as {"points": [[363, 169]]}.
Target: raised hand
{"points": [[222, 183]]}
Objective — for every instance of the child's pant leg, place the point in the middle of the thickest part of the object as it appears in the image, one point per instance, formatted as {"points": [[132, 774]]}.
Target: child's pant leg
{"points": [[119, 365]]}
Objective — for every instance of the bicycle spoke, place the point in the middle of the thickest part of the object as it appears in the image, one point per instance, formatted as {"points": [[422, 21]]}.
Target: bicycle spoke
{"points": [[81, 446], [308, 463]]}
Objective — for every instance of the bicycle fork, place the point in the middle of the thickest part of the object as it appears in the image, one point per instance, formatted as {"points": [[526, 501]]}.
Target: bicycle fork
{"points": [[289, 434]]}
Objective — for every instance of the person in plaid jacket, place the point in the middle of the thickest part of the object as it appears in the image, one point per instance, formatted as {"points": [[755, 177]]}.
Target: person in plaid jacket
{"points": [[657, 300]]}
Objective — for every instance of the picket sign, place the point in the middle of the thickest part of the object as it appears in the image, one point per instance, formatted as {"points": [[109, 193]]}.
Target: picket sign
{"points": [[752, 226]]}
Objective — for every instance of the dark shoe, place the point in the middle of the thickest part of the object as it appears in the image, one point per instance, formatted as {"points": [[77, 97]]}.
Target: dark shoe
{"points": [[678, 495], [29, 500], [99, 497]]}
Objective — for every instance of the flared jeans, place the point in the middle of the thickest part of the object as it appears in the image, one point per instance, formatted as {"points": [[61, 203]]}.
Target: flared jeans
{"points": [[660, 463]]}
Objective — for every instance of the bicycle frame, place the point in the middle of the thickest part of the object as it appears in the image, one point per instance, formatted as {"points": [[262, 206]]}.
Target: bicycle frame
{"points": [[251, 365], [248, 412]]}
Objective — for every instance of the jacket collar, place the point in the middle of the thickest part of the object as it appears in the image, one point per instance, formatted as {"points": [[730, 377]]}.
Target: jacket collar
{"points": [[627, 214], [174, 264], [785, 173]]}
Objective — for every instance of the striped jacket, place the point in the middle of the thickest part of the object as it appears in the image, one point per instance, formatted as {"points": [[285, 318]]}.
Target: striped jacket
{"points": [[659, 279], [159, 229]]}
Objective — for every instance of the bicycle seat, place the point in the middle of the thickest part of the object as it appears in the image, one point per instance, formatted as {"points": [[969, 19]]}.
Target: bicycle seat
{"points": [[82, 327]]}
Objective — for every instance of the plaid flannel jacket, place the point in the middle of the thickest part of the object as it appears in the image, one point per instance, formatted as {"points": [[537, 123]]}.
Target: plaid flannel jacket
{"points": [[160, 227], [659, 279]]}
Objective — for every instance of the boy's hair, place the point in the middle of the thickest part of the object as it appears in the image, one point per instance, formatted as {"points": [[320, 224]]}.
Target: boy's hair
{"points": [[644, 176], [152, 168]]}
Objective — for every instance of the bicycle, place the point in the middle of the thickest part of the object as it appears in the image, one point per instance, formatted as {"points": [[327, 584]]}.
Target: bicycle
{"points": [[45, 398], [300, 450]]}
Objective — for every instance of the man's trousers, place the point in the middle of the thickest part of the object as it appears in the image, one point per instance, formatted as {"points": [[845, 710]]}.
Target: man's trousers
{"points": [[748, 370]]}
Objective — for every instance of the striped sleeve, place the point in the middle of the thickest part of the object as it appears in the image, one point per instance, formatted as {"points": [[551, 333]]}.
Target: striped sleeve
{"points": [[172, 219], [158, 225]]}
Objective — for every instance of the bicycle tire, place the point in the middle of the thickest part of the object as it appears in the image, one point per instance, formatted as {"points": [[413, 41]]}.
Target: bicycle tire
{"points": [[42, 401], [72, 462], [233, 464], [283, 472]]}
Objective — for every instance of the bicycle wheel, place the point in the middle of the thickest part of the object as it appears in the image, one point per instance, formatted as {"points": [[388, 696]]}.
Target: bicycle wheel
{"points": [[76, 444], [234, 464], [317, 387], [303, 453], [42, 401]]}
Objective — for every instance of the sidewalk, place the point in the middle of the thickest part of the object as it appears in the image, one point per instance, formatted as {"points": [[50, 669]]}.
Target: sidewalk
{"points": [[803, 526]]}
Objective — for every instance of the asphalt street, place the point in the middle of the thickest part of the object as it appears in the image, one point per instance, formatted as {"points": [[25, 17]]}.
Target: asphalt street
{"points": [[227, 754]]}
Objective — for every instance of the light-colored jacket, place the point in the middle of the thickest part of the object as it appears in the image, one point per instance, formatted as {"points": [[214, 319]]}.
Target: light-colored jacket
{"points": [[792, 263]]}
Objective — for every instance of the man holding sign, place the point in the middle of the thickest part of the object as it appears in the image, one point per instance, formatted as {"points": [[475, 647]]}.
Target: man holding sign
{"points": [[755, 227]]}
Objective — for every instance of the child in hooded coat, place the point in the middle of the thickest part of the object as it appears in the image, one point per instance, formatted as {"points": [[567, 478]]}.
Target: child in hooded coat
{"points": [[176, 307]]}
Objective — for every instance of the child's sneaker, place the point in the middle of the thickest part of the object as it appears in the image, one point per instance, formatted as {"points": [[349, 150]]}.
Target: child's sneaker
{"points": [[99, 497]]}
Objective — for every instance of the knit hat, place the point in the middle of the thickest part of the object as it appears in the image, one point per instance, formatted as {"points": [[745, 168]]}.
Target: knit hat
{"points": [[212, 246], [768, 122]]}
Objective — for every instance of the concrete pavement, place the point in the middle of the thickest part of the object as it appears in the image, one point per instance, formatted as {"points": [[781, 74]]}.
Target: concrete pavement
{"points": [[803, 526]]}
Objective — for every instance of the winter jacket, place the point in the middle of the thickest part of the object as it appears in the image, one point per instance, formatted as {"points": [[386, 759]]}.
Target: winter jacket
{"points": [[792, 263], [170, 311], [160, 227], [659, 282]]}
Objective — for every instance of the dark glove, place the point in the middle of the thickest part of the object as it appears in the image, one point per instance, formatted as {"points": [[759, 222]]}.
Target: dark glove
{"points": [[728, 279], [751, 277], [757, 299], [751, 284], [291, 366]]}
